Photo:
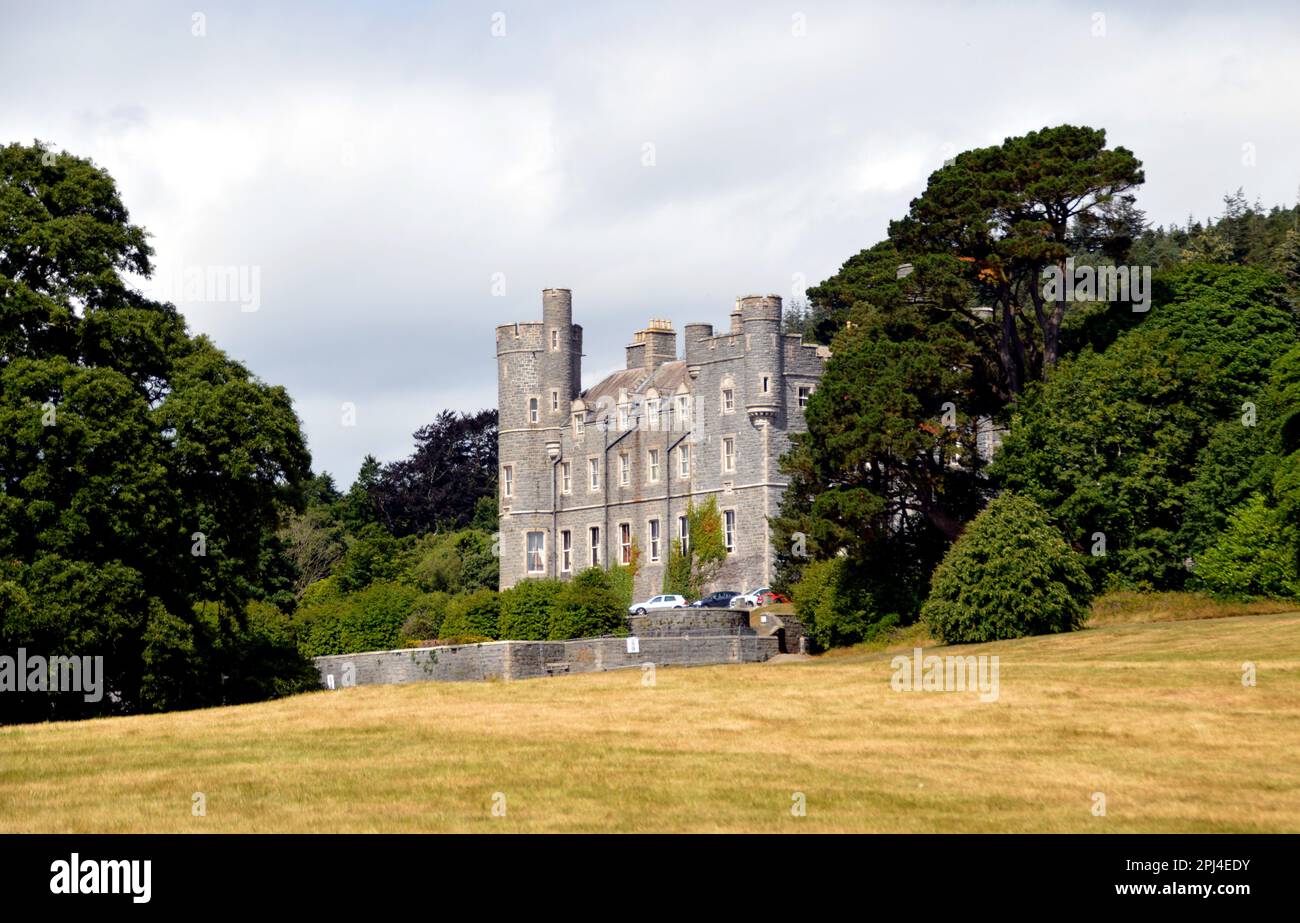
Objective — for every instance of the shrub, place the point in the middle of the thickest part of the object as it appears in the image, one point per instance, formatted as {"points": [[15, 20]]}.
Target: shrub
{"points": [[425, 620], [476, 613], [587, 606], [1010, 574], [327, 588], [833, 609], [1255, 555], [369, 620], [677, 574], [526, 609]]}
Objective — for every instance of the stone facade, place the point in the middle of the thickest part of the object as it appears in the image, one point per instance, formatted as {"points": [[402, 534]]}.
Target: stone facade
{"points": [[587, 473]]}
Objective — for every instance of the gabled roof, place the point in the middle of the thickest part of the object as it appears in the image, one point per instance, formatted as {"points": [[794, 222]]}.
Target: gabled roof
{"points": [[665, 379]]}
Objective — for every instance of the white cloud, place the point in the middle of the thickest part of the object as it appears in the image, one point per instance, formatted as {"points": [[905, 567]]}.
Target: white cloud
{"points": [[379, 163]]}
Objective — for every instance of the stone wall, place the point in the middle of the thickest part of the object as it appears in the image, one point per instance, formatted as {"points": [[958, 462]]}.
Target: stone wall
{"points": [[669, 622], [511, 660]]}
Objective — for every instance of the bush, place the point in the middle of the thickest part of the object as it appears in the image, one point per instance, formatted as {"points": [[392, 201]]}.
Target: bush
{"points": [[425, 620], [1010, 574], [677, 574], [1255, 555], [526, 609], [370, 620], [621, 580], [586, 607], [833, 609], [476, 613]]}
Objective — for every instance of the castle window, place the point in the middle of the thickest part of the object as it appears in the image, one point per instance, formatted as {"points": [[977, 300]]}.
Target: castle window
{"points": [[683, 410], [728, 400], [624, 469], [805, 392], [566, 478], [555, 401], [654, 465], [684, 461], [624, 543], [508, 481], [555, 339], [566, 551], [536, 557], [729, 530], [594, 536], [766, 383], [654, 539], [579, 426], [684, 533], [532, 410], [728, 454], [593, 473]]}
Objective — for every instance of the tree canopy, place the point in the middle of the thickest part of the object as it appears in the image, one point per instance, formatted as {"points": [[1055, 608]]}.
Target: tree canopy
{"points": [[142, 471]]}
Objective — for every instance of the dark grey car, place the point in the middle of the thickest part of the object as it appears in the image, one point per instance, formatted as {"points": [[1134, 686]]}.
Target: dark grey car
{"points": [[719, 600]]}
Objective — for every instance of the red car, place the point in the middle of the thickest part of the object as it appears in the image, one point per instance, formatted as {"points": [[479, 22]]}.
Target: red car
{"points": [[771, 597]]}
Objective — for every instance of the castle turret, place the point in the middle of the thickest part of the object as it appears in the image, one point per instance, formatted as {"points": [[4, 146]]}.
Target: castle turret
{"points": [[760, 318], [561, 364], [539, 368]]}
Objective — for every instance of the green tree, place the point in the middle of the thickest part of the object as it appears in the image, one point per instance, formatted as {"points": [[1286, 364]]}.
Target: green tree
{"points": [[1254, 556], [998, 217], [835, 606], [1112, 442], [127, 448], [1010, 574], [886, 472]]}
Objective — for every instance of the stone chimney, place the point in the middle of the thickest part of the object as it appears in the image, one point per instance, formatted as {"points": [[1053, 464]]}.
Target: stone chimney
{"points": [[653, 346]]}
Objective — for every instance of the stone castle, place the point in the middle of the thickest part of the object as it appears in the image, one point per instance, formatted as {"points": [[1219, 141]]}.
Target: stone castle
{"points": [[588, 475]]}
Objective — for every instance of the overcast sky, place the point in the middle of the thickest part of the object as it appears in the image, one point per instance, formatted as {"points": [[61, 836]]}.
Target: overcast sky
{"points": [[378, 163]]}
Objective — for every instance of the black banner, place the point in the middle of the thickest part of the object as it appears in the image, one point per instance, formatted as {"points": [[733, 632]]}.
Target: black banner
{"points": [[914, 874]]}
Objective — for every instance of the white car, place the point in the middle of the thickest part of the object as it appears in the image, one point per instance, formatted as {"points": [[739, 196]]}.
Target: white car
{"points": [[657, 602], [750, 600]]}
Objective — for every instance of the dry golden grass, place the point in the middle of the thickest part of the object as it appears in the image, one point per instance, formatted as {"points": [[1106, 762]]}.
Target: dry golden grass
{"points": [[1127, 607], [1154, 715]]}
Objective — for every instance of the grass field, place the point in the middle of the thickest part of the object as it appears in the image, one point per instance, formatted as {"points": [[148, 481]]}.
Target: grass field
{"points": [[1147, 707]]}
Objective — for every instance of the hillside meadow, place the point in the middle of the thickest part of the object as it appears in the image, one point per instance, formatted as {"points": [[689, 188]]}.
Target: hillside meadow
{"points": [[1146, 705]]}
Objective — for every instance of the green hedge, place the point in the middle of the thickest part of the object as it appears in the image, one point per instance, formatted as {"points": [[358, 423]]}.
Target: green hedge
{"points": [[526, 609], [476, 613], [587, 606], [368, 620]]}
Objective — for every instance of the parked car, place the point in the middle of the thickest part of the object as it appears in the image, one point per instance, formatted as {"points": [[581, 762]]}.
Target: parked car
{"points": [[658, 602], [750, 600], [720, 599], [771, 597]]}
